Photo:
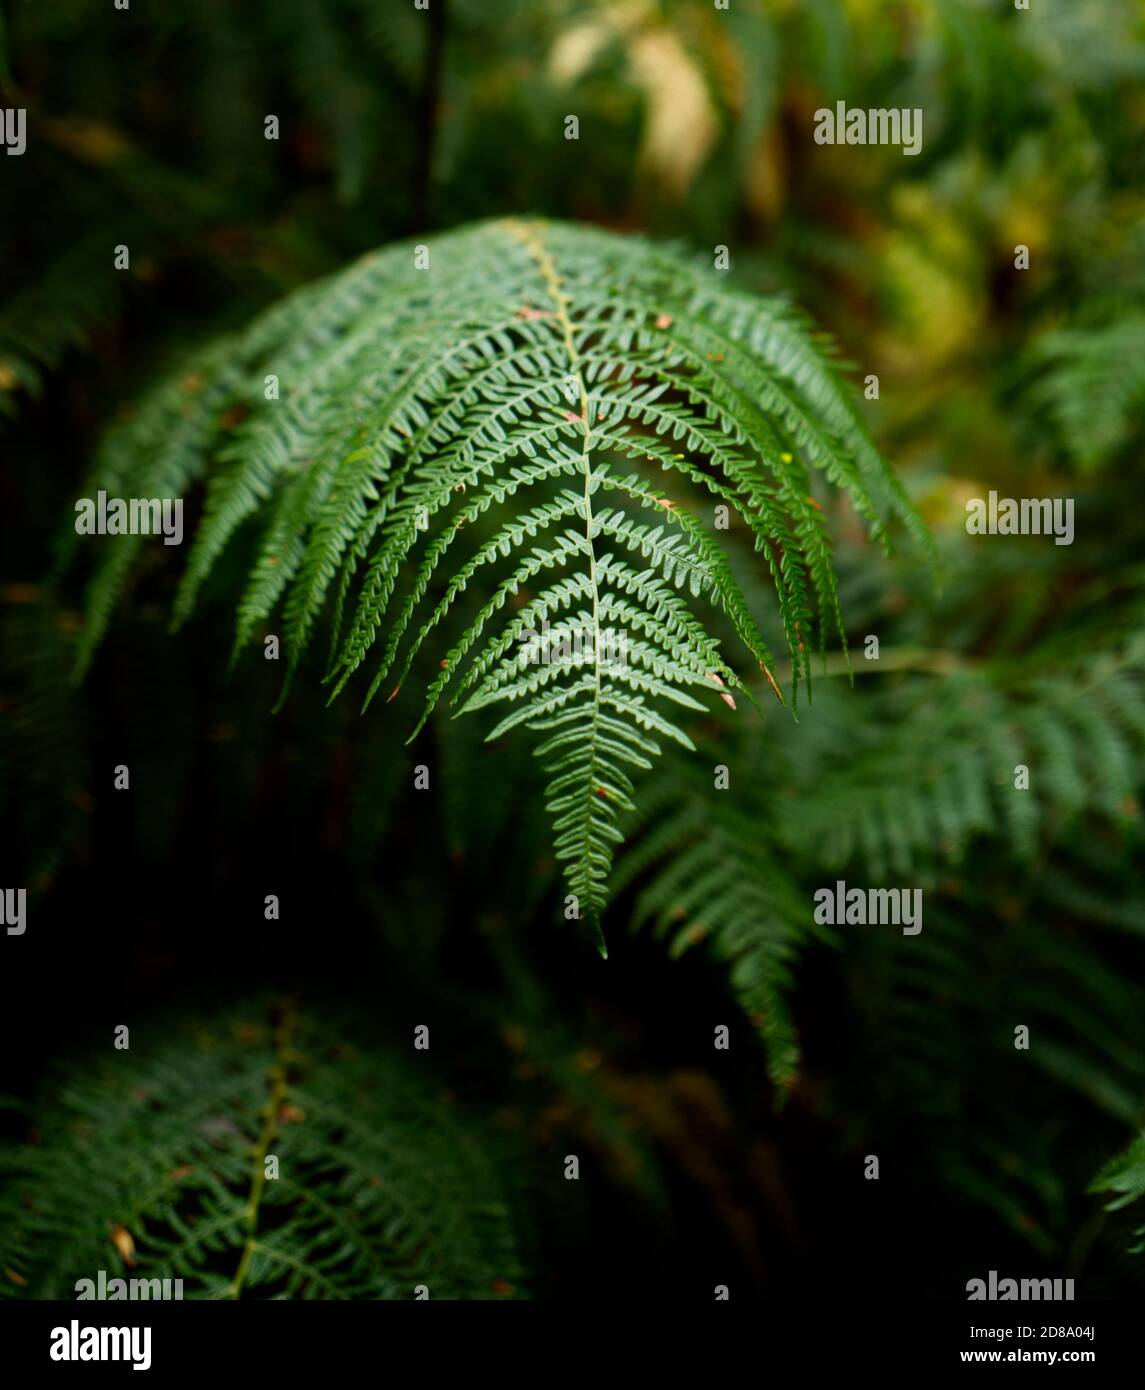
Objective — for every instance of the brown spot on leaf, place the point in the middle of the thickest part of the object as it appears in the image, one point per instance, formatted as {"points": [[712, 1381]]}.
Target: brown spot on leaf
{"points": [[121, 1239]]}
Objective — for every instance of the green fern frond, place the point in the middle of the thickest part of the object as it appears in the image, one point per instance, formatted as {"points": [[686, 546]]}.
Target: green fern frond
{"points": [[527, 398], [44, 760], [931, 765], [1093, 386], [939, 1042], [710, 884], [58, 310], [1124, 1176], [899, 782], [153, 1165]]}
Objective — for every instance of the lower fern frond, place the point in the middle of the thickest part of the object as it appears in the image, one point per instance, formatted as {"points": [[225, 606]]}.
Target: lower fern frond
{"points": [[256, 1158]]}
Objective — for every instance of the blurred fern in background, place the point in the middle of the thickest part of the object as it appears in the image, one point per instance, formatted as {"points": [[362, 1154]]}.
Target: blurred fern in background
{"points": [[263, 1154]]}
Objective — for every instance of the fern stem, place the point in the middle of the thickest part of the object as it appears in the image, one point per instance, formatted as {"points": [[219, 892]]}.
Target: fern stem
{"points": [[561, 301], [271, 1111]]}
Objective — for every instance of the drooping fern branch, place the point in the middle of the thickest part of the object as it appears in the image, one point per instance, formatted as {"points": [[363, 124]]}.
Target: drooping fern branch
{"points": [[527, 391], [153, 1164]]}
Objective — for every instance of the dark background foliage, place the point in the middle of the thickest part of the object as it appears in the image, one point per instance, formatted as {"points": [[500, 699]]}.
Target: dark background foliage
{"points": [[146, 129]]}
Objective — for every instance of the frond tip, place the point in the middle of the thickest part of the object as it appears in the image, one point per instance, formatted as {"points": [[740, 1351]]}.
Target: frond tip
{"points": [[502, 411]]}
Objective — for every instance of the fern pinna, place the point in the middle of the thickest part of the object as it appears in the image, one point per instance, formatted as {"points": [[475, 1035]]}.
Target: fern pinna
{"points": [[525, 410]]}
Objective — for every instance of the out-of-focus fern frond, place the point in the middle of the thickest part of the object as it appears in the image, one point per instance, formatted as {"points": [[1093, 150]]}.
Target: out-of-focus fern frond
{"points": [[153, 1164], [1093, 385], [706, 879], [1125, 1177], [43, 755], [906, 782], [57, 310]]}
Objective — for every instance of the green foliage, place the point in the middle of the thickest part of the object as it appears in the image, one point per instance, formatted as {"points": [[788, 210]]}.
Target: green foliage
{"points": [[705, 880], [905, 784], [1094, 386], [506, 394], [696, 124], [1125, 1176], [151, 1164], [58, 310], [42, 756]]}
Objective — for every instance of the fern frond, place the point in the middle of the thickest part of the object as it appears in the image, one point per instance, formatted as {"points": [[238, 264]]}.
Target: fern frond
{"points": [[706, 882], [1124, 1176], [44, 760], [517, 401], [1093, 385], [58, 310], [162, 1151], [902, 782]]}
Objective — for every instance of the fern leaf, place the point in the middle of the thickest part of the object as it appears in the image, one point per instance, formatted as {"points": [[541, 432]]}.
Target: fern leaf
{"points": [[496, 414]]}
